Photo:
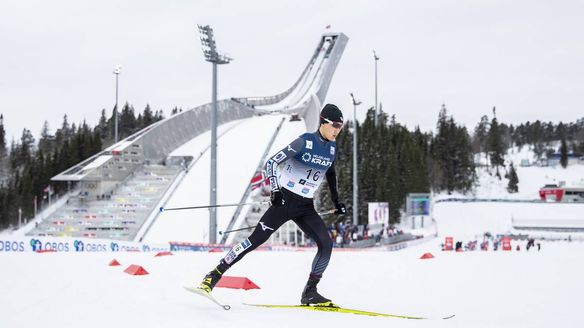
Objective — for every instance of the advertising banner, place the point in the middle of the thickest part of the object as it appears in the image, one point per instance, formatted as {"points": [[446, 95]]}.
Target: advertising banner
{"points": [[378, 213], [52, 244]]}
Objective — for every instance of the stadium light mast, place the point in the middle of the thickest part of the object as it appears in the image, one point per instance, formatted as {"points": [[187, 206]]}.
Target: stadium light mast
{"points": [[376, 107], [211, 55], [355, 182], [117, 72]]}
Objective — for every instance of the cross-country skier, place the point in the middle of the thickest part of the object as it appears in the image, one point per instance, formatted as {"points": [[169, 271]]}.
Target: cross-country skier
{"points": [[295, 173]]}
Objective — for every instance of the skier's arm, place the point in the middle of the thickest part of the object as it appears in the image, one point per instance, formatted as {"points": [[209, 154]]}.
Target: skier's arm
{"points": [[280, 157], [331, 179]]}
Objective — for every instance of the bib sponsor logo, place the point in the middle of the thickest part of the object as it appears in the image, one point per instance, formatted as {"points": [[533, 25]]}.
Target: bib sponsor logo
{"points": [[290, 184], [279, 157], [316, 159], [236, 250], [305, 190]]}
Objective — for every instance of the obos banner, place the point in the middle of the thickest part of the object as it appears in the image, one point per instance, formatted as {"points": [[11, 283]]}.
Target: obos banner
{"points": [[38, 244]]}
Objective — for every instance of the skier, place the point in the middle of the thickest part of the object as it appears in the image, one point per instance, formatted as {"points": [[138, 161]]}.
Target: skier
{"points": [[304, 163]]}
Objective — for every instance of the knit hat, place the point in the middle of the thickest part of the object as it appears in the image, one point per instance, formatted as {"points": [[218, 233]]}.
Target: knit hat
{"points": [[331, 113]]}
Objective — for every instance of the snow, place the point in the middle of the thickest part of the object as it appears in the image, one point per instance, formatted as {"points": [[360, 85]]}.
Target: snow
{"points": [[531, 178], [483, 289], [468, 220]]}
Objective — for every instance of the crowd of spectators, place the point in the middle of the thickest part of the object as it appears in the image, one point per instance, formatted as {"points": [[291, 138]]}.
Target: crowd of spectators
{"points": [[346, 233], [492, 242]]}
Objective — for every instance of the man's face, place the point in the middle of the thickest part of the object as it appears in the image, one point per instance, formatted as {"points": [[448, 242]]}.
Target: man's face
{"points": [[329, 131]]}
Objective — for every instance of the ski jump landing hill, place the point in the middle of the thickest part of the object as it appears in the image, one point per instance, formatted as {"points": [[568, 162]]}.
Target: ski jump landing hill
{"points": [[118, 192]]}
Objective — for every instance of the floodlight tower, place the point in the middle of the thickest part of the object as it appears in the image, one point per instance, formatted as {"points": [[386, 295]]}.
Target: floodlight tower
{"points": [[212, 56], [355, 182], [117, 72], [376, 107]]}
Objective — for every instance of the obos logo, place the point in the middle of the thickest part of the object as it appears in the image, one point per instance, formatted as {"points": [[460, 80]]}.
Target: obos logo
{"points": [[79, 246], [145, 248], [11, 246], [114, 247], [306, 157], [36, 245]]}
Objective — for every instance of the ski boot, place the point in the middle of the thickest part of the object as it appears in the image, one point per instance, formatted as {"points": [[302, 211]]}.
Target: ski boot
{"points": [[213, 277], [311, 296]]}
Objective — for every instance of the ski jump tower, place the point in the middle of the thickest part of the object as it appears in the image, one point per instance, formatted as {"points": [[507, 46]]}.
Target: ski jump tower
{"points": [[106, 202]]}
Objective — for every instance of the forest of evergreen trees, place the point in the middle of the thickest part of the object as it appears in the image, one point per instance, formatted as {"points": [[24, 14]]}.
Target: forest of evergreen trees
{"points": [[393, 161], [26, 166]]}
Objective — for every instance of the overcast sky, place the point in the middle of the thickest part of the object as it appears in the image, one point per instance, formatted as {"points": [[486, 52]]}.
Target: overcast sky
{"points": [[524, 57]]}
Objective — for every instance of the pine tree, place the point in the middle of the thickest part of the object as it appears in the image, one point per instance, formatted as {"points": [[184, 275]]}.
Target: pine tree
{"points": [[452, 163], [46, 142], [495, 144], [564, 153], [4, 173], [148, 117], [21, 154], [102, 127], [535, 137], [513, 185], [128, 123], [481, 134], [2, 139]]}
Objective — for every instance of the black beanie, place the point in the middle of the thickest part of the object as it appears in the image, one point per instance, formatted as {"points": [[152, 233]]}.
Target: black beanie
{"points": [[332, 113]]}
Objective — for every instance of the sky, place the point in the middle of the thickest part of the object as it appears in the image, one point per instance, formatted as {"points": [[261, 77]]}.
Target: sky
{"points": [[524, 57]]}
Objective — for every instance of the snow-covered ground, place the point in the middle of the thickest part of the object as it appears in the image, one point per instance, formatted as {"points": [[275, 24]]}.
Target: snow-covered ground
{"points": [[483, 289]]}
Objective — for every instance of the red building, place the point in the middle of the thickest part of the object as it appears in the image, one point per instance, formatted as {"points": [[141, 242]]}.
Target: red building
{"points": [[561, 194]]}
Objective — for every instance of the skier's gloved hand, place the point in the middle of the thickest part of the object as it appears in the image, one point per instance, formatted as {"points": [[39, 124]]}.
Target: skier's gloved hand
{"points": [[277, 198], [341, 209]]}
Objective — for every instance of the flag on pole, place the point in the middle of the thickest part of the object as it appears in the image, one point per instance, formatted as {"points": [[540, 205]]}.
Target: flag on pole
{"points": [[257, 180], [48, 190]]}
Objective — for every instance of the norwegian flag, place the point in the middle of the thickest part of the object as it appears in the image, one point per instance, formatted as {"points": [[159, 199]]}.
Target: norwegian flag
{"points": [[257, 180]]}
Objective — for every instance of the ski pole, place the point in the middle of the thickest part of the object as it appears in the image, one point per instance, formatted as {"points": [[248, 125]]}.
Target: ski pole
{"points": [[251, 227], [327, 212], [228, 231], [162, 209]]}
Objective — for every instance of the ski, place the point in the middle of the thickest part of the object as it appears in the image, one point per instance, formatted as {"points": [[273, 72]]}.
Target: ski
{"points": [[344, 310], [208, 296]]}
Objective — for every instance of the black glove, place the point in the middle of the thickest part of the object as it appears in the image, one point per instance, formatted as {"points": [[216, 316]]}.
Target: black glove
{"points": [[277, 198], [341, 209]]}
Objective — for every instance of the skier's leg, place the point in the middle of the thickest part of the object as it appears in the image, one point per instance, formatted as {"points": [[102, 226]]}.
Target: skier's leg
{"points": [[270, 222], [315, 228]]}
